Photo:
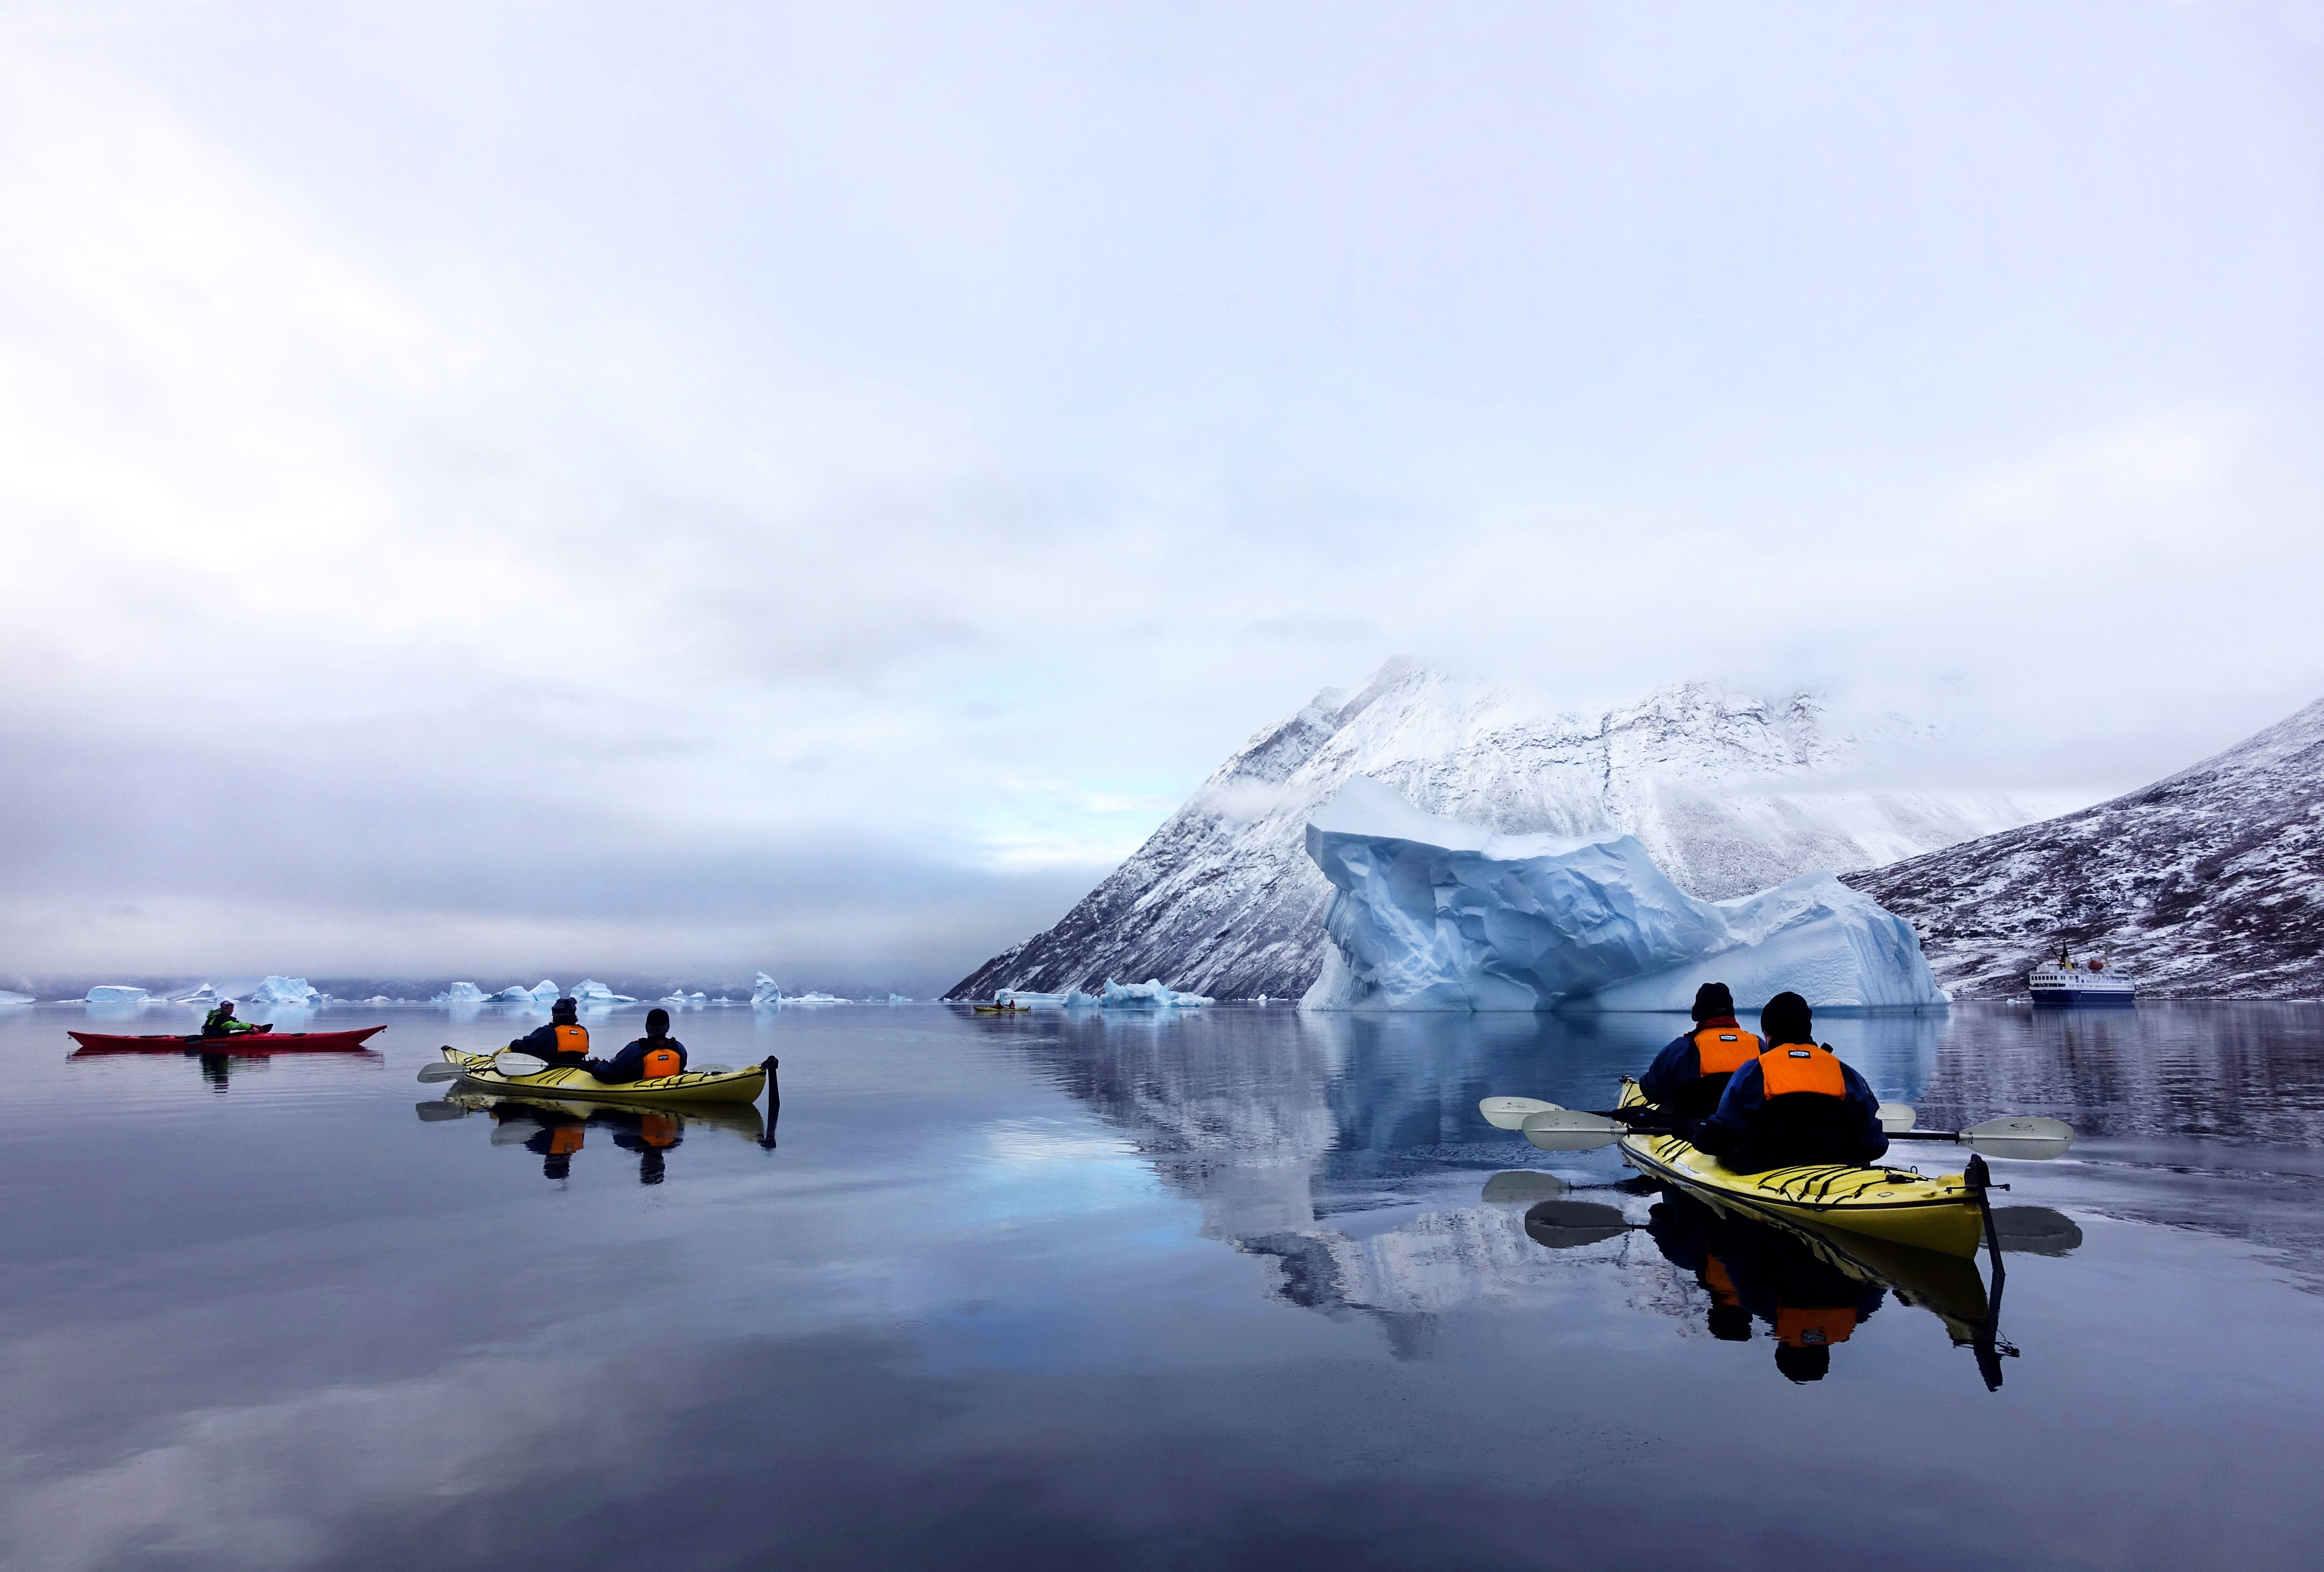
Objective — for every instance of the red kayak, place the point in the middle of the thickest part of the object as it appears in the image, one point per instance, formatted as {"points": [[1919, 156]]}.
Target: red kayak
{"points": [[240, 1043]]}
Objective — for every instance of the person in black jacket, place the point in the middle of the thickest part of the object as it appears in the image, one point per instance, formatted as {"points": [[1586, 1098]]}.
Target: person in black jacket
{"points": [[1795, 1103], [562, 1041], [1687, 1077], [657, 1053]]}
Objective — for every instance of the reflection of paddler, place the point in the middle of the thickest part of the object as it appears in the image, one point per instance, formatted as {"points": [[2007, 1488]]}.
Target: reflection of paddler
{"points": [[1687, 1234], [649, 1133], [561, 1135]]}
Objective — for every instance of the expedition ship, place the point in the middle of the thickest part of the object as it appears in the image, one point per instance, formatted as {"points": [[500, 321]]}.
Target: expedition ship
{"points": [[2066, 981]]}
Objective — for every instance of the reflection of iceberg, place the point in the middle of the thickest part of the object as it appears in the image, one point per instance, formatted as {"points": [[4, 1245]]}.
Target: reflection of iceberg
{"points": [[294, 992], [117, 993], [1433, 914], [766, 993], [1148, 995]]}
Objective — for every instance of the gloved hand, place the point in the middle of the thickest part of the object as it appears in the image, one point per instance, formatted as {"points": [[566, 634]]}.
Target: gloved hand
{"points": [[1639, 1114]]}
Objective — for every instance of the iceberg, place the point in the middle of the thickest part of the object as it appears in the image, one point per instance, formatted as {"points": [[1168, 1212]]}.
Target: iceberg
{"points": [[766, 993], [679, 999], [514, 994], [593, 994], [292, 991], [117, 994], [1430, 913], [545, 991], [816, 998], [892, 999], [8, 998], [460, 994], [1149, 994], [207, 993]]}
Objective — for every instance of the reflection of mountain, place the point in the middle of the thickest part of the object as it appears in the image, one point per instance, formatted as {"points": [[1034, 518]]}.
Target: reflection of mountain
{"points": [[1347, 1152]]}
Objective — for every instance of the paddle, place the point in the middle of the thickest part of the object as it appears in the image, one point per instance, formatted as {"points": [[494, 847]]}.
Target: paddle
{"points": [[2023, 1137], [1509, 1112], [508, 1061]]}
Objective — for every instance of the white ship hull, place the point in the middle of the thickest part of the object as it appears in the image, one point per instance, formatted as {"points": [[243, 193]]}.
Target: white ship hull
{"points": [[2053, 984]]}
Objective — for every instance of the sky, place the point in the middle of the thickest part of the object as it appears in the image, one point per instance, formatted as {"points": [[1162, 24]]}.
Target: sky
{"points": [[509, 486]]}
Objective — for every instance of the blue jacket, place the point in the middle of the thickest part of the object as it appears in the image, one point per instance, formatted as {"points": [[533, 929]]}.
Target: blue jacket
{"points": [[1751, 1135], [1675, 1082], [541, 1043], [630, 1064]]}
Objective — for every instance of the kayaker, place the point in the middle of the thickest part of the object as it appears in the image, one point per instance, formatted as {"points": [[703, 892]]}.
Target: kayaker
{"points": [[657, 1053], [1794, 1103], [562, 1041], [1688, 1077], [220, 1022]]}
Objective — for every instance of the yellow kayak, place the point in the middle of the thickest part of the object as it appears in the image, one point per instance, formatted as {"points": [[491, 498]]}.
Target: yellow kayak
{"points": [[1929, 1214], [564, 1083]]}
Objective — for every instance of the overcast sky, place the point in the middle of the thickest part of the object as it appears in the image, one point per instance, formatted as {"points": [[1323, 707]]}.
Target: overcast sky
{"points": [[496, 487]]}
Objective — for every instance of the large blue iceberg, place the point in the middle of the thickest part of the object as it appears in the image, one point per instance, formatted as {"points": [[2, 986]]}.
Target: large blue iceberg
{"points": [[1433, 914]]}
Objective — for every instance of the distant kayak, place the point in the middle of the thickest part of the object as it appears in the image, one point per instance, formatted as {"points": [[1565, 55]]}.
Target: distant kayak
{"points": [[240, 1043], [564, 1083]]}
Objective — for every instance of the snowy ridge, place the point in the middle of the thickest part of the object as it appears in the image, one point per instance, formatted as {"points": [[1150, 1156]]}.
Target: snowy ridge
{"points": [[1730, 795], [2209, 884]]}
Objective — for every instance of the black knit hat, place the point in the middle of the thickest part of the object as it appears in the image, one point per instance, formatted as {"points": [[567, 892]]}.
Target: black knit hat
{"points": [[565, 1010], [656, 1023], [1713, 999], [1786, 1018]]}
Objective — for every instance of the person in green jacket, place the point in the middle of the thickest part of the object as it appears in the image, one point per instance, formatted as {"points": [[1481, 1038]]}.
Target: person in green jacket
{"points": [[220, 1022]]}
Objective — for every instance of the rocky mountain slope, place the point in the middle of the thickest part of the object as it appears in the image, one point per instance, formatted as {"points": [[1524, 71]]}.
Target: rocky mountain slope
{"points": [[2207, 884], [1730, 794]]}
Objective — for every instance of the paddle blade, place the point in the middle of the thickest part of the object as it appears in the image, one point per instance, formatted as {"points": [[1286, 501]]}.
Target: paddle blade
{"points": [[1564, 1225], [1897, 1117], [2036, 1231], [2024, 1137], [439, 1071], [519, 1064], [1522, 1188], [1571, 1130], [1509, 1112], [710, 1069]]}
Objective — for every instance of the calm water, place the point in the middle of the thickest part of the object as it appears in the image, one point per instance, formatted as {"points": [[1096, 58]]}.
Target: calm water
{"points": [[1221, 1292]]}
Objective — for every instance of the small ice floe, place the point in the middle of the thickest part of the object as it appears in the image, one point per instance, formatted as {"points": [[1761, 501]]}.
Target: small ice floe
{"points": [[679, 999], [766, 993], [1150, 995], [816, 999]]}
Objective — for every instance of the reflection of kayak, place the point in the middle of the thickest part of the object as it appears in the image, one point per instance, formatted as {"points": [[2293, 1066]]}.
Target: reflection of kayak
{"points": [[564, 1083], [240, 1043], [1929, 1214], [741, 1118]]}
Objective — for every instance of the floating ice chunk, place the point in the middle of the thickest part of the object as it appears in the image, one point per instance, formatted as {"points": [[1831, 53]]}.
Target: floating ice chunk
{"points": [[8, 998], [593, 994], [460, 994], [117, 993], [207, 993], [1150, 995], [897, 999], [766, 993], [545, 991], [1077, 1000], [816, 999], [1433, 914], [291, 991], [679, 999], [515, 993]]}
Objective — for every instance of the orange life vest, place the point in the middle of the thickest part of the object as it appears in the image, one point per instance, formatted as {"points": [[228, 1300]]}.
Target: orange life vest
{"points": [[1799, 1067], [1721, 1050], [1814, 1326], [660, 1061], [1721, 1286], [573, 1040]]}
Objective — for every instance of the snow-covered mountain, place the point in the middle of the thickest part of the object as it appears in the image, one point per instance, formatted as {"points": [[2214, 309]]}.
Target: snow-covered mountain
{"points": [[2210, 883], [1730, 794]]}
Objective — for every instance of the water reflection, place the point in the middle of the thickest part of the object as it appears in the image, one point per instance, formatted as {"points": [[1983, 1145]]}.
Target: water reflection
{"points": [[558, 1132]]}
